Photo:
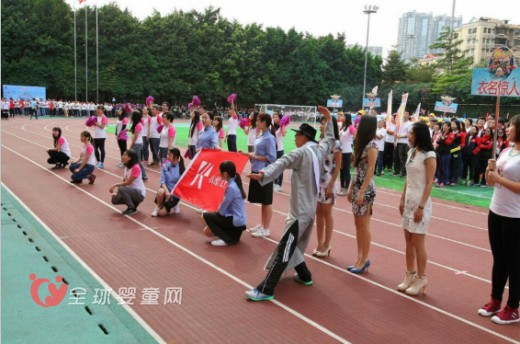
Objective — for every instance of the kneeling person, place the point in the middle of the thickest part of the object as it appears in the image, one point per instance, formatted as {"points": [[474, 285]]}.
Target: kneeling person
{"points": [[171, 172]]}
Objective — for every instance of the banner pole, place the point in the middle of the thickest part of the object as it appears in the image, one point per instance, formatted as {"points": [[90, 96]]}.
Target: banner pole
{"points": [[497, 116]]}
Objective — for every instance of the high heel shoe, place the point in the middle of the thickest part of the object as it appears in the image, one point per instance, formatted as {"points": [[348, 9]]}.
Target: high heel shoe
{"points": [[418, 286], [361, 269], [314, 252], [323, 254], [350, 267], [407, 282]]}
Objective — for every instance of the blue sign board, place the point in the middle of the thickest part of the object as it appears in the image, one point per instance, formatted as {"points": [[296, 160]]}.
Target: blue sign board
{"points": [[24, 92]]}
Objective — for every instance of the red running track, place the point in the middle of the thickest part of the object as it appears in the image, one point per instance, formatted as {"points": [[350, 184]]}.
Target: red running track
{"points": [[171, 252]]}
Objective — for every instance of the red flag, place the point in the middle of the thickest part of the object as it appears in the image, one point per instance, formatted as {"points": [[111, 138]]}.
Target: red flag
{"points": [[201, 183], [81, 1]]}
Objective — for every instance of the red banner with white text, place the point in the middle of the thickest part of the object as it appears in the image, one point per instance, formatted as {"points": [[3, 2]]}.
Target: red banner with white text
{"points": [[201, 184]]}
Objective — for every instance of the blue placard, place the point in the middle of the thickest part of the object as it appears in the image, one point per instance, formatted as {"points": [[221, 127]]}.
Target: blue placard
{"points": [[24, 92], [450, 108], [371, 103], [485, 83], [334, 104]]}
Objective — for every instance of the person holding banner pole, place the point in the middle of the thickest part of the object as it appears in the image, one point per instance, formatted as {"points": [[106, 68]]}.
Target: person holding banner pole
{"points": [[264, 154], [229, 221], [504, 230], [306, 162]]}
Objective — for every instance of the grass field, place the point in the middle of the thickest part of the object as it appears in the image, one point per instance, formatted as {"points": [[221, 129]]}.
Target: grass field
{"points": [[476, 196]]}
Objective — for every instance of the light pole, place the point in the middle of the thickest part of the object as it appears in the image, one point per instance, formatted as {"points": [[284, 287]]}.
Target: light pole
{"points": [[369, 9]]}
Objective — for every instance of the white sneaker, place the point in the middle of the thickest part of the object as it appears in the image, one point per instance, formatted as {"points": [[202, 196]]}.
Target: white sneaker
{"points": [[154, 212], [261, 233], [218, 242], [176, 209], [254, 229], [277, 188]]}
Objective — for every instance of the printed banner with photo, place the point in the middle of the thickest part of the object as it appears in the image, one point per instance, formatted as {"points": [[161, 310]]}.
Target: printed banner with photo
{"points": [[500, 78], [201, 184], [371, 103], [443, 107], [335, 103]]}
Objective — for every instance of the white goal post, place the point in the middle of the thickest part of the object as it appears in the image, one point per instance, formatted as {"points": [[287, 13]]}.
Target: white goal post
{"points": [[298, 113]]}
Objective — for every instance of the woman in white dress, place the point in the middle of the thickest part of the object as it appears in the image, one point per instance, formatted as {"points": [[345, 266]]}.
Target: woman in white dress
{"points": [[416, 206]]}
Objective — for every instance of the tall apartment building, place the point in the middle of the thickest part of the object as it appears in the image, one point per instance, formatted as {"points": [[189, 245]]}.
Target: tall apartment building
{"points": [[418, 31], [481, 36]]}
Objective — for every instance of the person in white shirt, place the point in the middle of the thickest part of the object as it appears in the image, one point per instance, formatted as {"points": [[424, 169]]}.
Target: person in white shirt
{"points": [[401, 149], [380, 140], [231, 136]]}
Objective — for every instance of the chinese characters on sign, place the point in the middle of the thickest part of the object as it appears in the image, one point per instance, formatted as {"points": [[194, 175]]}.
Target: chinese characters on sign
{"points": [[485, 84], [494, 88]]}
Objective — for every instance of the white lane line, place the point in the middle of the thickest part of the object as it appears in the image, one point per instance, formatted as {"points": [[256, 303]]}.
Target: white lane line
{"points": [[105, 285], [193, 254]]}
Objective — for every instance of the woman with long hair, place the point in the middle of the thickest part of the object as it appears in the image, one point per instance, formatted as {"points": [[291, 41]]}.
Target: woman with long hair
{"points": [[136, 144], [84, 166], [468, 158], [504, 230], [280, 134], [251, 132], [327, 192], [229, 221], [455, 151], [218, 125], [362, 189], [264, 154], [347, 133], [415, 206], [444, 145], [131, 190], [483, 152], [60, 154], [171, 173], [208, 138], [121, 134], [194, 132]]}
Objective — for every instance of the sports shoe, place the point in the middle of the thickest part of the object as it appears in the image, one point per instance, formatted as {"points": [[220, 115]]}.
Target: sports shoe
{"points": [[342, 192], [218, 242], [176, 209], [277, 188], [154, 212], [75, 181], [490, 308], [129, 211], [261, 233], [506, 316], [255, 295], [100, 165], [91, 178], [254, 229], [297, 279]]}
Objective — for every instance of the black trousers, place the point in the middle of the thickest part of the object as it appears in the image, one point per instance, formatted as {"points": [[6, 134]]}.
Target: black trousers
{"points": [[122, 146], [99, 149], [223, 227], [504, 238], [232, 143], [388, 157], [284, 252], [344, 172], [400, 158], [57, 157]]}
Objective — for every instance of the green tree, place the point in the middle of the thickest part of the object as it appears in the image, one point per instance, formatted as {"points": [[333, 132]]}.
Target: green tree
{"points": [[394, 69]]}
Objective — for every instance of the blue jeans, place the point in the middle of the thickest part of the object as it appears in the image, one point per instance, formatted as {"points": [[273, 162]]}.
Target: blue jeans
{"points": [[232, 143], [138, 148], [83, 173], [379, 164], [279, 180], [444, 171], [146, 149], [154, 144]]}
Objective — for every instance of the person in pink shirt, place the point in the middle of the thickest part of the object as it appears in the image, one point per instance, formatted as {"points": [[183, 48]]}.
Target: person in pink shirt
{"points": [[131, 190], [121, 134], [60, 154], [217, 124], [167, 136], [84, 166]]}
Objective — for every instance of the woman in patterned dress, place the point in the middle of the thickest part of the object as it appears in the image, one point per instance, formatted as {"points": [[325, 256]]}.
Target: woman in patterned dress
{"points": [[362, 191], [327, 192], [416, 207]]}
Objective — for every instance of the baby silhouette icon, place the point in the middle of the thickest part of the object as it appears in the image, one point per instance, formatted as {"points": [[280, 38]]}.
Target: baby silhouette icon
{"points": [[57, 293]]}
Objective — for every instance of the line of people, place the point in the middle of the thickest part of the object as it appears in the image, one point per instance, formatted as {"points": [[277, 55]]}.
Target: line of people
{"points": [[315, 167]]}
